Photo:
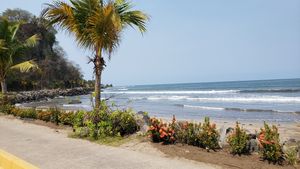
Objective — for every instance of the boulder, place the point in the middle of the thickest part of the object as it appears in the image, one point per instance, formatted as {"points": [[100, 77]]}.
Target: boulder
{"points": [[143, 121]]}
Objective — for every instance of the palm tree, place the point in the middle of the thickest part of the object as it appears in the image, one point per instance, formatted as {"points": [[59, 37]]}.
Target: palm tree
{"points": [[97, 26], [11, 49]]}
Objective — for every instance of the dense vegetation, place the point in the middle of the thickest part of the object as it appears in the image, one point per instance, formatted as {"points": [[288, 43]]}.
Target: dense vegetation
{"points": [[206, 136], [93, 125], [55, 71]]}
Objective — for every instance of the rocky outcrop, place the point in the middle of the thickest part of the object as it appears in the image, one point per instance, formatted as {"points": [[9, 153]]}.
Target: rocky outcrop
{"points": [[28, 96]]}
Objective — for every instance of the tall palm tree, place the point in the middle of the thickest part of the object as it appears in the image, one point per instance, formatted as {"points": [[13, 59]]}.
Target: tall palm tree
{"points": [[11, 48], [97, 26]]}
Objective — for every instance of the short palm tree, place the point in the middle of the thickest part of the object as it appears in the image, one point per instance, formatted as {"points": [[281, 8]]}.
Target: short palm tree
{"points": [[11, 49], [96, 25]]}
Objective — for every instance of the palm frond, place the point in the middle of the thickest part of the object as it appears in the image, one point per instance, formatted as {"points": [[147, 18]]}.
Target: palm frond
{"points": [[25, 66], [31, 41], [2, 43], [133, 18]]}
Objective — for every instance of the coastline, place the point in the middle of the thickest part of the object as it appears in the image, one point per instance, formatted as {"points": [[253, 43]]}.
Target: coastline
{"points": [[39, 95]]}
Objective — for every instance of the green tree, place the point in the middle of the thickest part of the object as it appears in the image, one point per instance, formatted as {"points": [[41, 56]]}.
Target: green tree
{"points": [[96, 25], [12, 49]]}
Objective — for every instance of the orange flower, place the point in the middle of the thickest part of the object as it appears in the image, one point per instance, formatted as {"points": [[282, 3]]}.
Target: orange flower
{"points": [[163, 134]]}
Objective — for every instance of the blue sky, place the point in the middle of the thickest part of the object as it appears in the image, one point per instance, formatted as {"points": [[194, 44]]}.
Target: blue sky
{"points": [[199, 41]]}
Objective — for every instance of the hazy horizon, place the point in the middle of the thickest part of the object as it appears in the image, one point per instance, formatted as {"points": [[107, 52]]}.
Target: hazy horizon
{"points": [[207, 82], [214, 41]]}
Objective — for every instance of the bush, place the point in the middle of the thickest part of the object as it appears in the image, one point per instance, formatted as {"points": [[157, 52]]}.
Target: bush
{"points": [[271, 150], [187, 133], [55, 113], [238, 141], [162, 132], [44, 115], [291, 156], [66, 118], [27, 113], [124, 122], [153, 131], [16, 111], [78, 119], [105, 122], [209, 136], [105, 129], [6, 109]]}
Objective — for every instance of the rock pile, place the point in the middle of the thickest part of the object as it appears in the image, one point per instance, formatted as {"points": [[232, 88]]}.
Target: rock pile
{"points": [[28, 96]]}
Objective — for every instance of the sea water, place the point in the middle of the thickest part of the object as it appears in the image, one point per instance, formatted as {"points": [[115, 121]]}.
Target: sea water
{"points": [[261, 100], [269, 100]]}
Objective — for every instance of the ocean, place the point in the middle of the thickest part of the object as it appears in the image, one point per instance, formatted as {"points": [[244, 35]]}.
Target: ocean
{"points": [[259, 100]]}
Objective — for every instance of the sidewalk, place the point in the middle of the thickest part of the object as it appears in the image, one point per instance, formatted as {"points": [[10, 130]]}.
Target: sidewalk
{"points": [[48, 149]]}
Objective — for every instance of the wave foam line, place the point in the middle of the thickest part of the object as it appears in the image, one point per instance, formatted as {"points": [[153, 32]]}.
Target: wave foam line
{"points": [[173, 92], [251, 99], [238, 109]]}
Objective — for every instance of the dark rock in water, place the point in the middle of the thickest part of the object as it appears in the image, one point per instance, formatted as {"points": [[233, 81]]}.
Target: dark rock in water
{"points": [[74, 102]]}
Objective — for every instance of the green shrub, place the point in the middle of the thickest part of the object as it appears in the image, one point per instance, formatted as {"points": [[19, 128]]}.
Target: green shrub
{"points": [[193, 134], [66, 118], [78, 119], [55, 113], [209, 136], [123, 122], [6, 109], [187, 133], [271, 149], [27, 113], [105, 122], [92, 129], [44, 115], [291, 156], [238, 141], [105, 129]]}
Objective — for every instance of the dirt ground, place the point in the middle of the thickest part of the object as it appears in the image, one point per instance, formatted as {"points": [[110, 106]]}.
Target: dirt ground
{"points": [[221, 158]]}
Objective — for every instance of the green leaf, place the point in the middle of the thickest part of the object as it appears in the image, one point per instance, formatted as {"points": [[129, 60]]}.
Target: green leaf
{"points": [[25, 66]]}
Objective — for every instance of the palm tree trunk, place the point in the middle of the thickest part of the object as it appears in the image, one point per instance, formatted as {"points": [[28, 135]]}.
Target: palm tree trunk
{"points": [[3, 86], [98, 72]]}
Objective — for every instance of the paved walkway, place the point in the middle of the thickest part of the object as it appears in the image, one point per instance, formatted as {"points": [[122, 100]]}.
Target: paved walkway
{"points": [[48, 149]]}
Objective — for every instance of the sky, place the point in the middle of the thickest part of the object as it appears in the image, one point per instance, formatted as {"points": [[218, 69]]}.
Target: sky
{"points": [[198, 41]]}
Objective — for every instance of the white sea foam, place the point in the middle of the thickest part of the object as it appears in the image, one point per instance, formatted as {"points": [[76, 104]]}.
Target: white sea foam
{"points": [[173, 92], [77, 105], [167, 97], [265, 99], [204, 107]]}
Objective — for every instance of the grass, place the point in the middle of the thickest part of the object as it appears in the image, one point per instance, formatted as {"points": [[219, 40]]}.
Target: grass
{"points": [[116, 141]]}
